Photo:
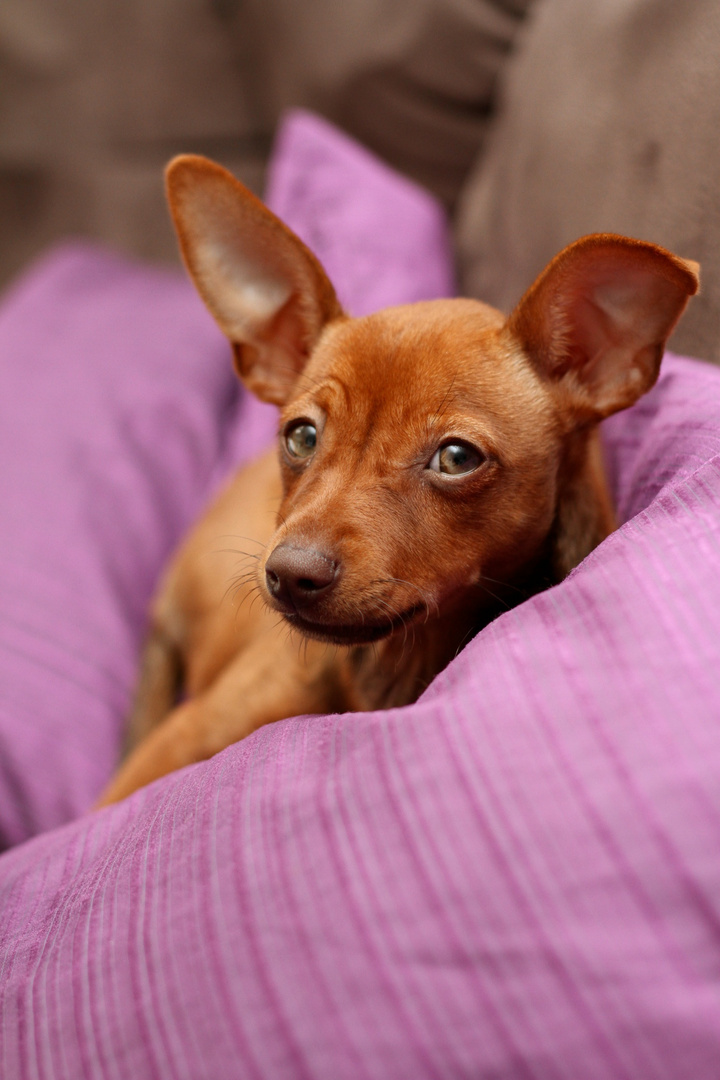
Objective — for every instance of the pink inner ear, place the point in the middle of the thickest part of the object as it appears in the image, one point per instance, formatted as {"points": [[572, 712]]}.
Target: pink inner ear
{"points": [[270, 367], [621, 331], [615, 364], [613, 317], [639, 305], [621, 326], [598, 318], [264, 287]]}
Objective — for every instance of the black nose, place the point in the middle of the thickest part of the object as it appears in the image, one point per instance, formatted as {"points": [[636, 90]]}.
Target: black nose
{"points": [[297, 577]]}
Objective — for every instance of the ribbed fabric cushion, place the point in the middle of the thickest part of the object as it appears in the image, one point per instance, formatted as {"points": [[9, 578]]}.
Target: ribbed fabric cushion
{"points": [[119, 414], [114, 386], [517, 877], [383, 239]]}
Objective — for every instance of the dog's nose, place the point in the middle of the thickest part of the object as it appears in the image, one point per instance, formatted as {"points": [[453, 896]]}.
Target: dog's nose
{"points": [[297, 577]]}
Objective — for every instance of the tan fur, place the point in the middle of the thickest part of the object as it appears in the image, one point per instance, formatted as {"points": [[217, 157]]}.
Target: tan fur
{"points": [[400, 564]]}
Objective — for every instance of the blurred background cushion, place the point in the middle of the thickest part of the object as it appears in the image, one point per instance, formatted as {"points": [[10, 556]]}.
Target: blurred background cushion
{"points": [[96, 98], [609, 124], [414, 80], [609, 119], [384, 239]]}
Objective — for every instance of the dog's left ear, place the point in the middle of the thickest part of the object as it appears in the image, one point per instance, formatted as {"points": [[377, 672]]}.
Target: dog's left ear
{"points": [[596, 320], [265, 288]]}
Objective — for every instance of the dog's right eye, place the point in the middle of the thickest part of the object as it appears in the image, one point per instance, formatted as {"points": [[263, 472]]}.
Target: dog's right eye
{"points": [[456, 459], [301, 439]]}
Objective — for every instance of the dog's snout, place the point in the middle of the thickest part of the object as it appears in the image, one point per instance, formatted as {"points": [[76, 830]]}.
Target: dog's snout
{"points": [[297, 577]]}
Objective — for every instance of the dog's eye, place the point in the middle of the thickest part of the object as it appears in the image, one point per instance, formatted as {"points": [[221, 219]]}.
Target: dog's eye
{"points": [[455, 459], [301, 439]]}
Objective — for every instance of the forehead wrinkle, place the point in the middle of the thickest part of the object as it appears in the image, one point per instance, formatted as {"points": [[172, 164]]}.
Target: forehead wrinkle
{"points": [[324, 391], [423, 368], [333, 383]]}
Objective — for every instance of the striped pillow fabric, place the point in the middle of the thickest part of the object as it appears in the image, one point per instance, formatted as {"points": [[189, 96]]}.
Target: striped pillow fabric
{"points": [[516, 877]]}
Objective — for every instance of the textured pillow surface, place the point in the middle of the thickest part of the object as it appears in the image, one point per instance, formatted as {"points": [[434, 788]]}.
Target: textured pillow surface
{"points": [[114, 385], [119, 413], [517, 876]]}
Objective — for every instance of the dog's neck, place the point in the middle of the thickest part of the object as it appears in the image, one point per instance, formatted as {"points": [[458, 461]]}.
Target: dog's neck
{"points": [[395, 671], [585, 514]]}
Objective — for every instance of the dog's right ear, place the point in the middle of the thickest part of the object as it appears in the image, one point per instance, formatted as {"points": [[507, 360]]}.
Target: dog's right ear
{"points": [[265, 288], [596, 320]]}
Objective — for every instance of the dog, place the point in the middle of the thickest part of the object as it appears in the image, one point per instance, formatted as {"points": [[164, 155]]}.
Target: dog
{"points": [[438, 463]]}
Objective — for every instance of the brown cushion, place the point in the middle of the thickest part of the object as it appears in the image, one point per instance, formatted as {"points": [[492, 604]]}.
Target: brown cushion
{"points": [[611, 122], [95, 98], [95, 102], [412, 79]]}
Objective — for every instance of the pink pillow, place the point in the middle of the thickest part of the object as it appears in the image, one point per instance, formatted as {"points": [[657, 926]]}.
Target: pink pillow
{"points": [[384, 240], [115, 392], [119, 415], [515, 877]]}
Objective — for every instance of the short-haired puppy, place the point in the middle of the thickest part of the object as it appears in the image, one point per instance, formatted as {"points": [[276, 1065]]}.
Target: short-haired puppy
{"points": [[436, 464]]}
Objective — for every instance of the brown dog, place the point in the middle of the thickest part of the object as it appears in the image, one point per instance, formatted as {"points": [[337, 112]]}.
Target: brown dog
{"points": [[437, 464]]}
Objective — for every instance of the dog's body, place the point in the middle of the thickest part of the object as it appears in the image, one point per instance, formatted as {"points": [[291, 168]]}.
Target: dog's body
{"points": [[438, 463]]}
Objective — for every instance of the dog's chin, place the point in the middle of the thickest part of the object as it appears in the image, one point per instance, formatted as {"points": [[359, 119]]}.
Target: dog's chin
{"points": [[359, 634]]}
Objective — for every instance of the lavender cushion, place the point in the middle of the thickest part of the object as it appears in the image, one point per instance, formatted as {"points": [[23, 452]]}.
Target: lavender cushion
{"points": [[383, 239], [119, 414], [114, 385], [516, 877]]}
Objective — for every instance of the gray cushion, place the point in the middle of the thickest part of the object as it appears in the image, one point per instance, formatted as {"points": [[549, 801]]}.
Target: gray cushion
{"points": [[610, 122], [412, 79]]}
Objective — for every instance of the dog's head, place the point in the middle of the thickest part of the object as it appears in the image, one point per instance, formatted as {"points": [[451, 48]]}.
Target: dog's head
{"points": [[436, 454]]}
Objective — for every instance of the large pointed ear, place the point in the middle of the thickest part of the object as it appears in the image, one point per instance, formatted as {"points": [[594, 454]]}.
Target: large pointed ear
{"points": [[266, 290], [597, 319]]}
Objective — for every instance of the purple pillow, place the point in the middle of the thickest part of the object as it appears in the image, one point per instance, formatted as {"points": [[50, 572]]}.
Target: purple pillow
{"points": [[515, 877], [383, 239], [119, 414], [115, 393]]}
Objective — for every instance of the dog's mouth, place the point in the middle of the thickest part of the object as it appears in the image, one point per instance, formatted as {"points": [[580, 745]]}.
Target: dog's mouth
{"points": [[355, 634]]}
